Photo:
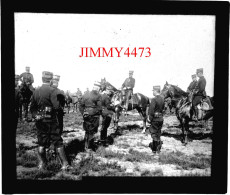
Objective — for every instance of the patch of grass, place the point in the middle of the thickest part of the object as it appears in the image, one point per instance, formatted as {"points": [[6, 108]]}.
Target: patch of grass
{"points": [[27, 160], [184, 161], [156, 172], [136, 156], [35, 174], [109, 154]]}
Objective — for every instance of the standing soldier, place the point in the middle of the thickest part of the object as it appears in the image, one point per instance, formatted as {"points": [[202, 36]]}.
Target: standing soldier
{"points": [[127, 89], [199, 92], [79, 93], [155, 118], [43, 108], [90, 108], [61, 99], [107, 113], [27, 78], [87, 91]]}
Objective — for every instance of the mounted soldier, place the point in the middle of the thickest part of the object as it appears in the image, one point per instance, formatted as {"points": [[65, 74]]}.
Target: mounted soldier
{"points": [[60, 98], [44, 105], [27, 79], [90, 108], [127, 89], [199, 92], [155, 118]]}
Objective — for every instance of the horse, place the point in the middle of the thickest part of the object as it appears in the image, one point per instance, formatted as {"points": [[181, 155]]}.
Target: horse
{"points": [[25, 100], [138, 101], [68, 101], [183, 107]]}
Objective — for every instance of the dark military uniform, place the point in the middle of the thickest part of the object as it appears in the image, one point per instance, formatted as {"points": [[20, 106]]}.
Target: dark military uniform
{"points": [[90, 108], [17, 100], [129, 84], [43, 108], [155, 116], [27, 79], [192, 86], [199, 91], [61, 101], [107, 112]]}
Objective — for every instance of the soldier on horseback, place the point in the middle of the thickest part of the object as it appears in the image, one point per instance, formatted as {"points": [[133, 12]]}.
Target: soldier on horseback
{"points": [[127, 89], [27, 79], [155, 118], [199, 92]]}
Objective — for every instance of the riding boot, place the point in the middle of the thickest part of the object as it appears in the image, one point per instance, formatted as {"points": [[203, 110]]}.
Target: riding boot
{"points": [[63, 159], [209, 103], [42, 158]]}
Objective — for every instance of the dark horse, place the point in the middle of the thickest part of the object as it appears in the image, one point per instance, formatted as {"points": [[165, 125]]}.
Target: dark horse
{"points": [[26, 95], [138, 102], [183, 108], [68, 101]]}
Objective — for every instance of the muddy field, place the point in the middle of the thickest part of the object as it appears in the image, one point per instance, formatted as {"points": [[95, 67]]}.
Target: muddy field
{"points": [[127, 155]]}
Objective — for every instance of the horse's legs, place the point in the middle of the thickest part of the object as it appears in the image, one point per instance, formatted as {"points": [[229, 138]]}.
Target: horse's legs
{"points": [[116, 118], [143, 115], [184, 126]]}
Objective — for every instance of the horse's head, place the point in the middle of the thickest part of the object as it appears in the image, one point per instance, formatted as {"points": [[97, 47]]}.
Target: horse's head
{"points": [[173, 91]]}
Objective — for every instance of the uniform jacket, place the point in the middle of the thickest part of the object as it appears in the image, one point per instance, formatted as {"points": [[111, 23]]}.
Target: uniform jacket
{"points": [[200, 88], [106, 104], [90, 103], [43, 96], [26, 77], [156, 106], [60, 96], [192, 86], [79, 94], [129, 82]]}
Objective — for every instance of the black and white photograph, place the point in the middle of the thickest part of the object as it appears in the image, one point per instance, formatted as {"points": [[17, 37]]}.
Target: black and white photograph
{"points": [[116, 97]]}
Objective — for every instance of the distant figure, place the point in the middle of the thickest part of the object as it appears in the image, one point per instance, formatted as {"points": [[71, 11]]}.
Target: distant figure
{"points": [[27, 79], [90, 108], [87, 91], [44, 105], [155, 118], [79, 93], [127, 89]]}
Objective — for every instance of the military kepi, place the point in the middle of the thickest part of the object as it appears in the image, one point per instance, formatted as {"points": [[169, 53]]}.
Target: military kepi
{"points": [[56, 77], [157, 88], [194, 76], [47, 75], [199, 70], [131, 72]]}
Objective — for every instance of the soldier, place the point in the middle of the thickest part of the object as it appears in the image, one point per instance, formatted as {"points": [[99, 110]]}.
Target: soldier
{"points": [[17, 100], [192, 85], [87, 91], [79, 93], [27, 79], [61, 99], [127, 88], [43, 108], [107, 113], [90, 108], [199, 92], [155, 118]]}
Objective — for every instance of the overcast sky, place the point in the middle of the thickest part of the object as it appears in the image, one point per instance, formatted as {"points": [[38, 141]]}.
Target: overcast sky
{"points": [[178, 44]]}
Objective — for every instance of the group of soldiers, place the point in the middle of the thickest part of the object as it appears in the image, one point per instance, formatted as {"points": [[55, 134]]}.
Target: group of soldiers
{"points": [[47, 108]]}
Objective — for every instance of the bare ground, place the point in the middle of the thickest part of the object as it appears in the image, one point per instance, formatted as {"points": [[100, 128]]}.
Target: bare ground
{"points": [[129, 154]]}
